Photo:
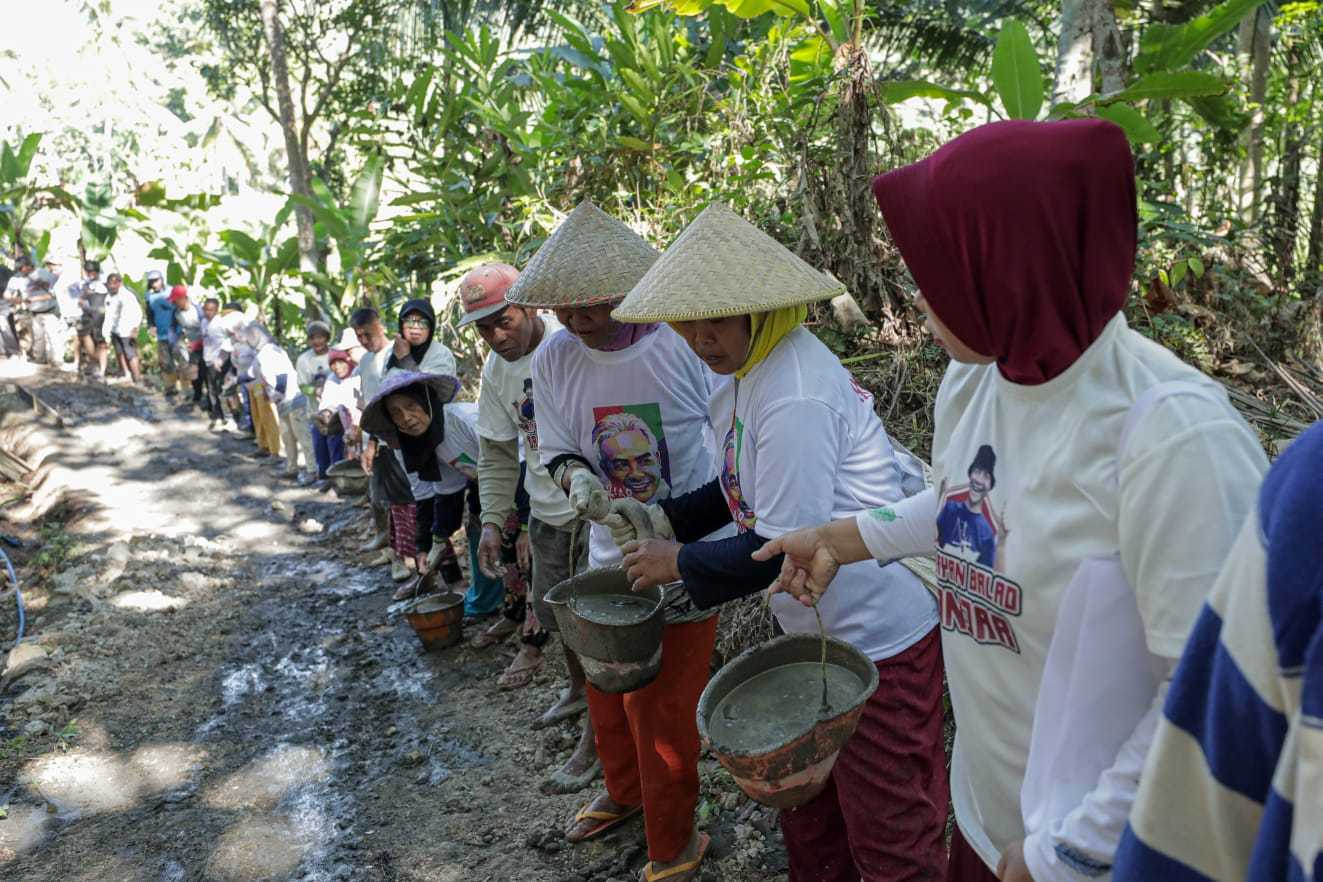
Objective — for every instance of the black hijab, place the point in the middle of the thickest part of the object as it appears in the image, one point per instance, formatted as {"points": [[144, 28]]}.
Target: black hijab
{"points": [[423, 308], [420, 450]]}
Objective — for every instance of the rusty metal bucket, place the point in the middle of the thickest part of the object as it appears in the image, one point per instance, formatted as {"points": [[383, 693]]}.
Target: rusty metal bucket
{"points": [[616, 658], [794, 769], [437, 619]]}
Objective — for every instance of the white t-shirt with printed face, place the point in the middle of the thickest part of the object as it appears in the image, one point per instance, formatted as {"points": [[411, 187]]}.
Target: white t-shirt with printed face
{"points": [[1027, 489], [458, 453], [505, 413], [802, 445], [639, 416]]}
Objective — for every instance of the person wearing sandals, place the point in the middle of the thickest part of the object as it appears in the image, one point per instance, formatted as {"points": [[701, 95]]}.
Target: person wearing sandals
{"points": [[507, 418], [625, 407], [412, 412], [801, 443], [1111, 476]]}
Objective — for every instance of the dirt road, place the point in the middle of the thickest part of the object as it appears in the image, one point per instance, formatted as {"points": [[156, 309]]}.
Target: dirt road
{"points": [[216, 690]]}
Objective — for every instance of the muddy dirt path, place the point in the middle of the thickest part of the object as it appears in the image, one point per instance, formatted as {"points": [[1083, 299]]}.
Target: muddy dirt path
{"points": [[217, 690]]}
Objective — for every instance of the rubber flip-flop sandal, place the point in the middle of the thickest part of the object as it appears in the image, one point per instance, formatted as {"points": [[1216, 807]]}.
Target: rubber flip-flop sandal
{"points": [[564, 712], [518, 678], [610, 820], [688, 867], [561, 781]]}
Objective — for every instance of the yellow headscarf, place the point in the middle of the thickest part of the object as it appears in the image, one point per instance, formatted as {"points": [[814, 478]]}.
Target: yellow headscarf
{"points": [[766, 330]]}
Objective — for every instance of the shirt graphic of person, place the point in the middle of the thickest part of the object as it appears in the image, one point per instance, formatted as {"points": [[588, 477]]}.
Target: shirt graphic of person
{"points": [[630, 456], [967, 527], [740, 512], [524, 414]]}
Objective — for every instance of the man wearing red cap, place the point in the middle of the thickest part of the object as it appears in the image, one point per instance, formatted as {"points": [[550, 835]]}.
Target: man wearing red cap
{"points": [[505, 416]]}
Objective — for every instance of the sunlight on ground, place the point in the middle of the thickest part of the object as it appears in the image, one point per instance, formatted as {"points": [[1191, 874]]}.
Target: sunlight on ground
{"points": [[148, 601], [91, 782], [257, 848], [22, 831], [265, 781]]}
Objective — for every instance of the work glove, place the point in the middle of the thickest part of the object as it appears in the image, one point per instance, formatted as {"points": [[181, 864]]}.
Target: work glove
{"points": [[588, 497], [631, 520]]}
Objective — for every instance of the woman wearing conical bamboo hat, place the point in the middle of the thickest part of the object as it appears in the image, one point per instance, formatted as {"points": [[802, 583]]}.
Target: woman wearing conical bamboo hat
{"points": [[802, 443], [622, 413]]}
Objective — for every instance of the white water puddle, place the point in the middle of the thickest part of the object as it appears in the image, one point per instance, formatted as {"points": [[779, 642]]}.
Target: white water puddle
{"points": [[240, 683], [410, 684]]}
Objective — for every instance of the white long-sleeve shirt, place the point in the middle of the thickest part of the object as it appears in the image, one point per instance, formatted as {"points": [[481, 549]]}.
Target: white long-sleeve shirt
{"points": [[123, 315]]}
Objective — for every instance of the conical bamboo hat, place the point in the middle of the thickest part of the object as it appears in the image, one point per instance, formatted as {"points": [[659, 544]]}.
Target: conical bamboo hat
{"points": [[723, 265], [591, 258]]}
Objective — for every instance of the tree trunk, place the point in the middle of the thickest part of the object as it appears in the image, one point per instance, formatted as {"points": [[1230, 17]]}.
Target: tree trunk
{"points": [[1074, 71], [1107, 47], [1286, 191], [1259, 41], [297, 159], [1313, 274]]}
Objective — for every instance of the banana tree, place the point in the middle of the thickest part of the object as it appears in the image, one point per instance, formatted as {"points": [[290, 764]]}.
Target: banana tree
{"points": [[349, 226], [258, 268], [20, 197]]}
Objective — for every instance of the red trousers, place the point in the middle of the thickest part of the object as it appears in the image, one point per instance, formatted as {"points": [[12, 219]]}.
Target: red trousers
{"points": [[882, 815], [648, 742], [965, 864]]}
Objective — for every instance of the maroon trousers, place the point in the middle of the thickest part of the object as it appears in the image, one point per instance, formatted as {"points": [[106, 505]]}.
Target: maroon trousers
{"points": [[965, 864], [882, 815]]}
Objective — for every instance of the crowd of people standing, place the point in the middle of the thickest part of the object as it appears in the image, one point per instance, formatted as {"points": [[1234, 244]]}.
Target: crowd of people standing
{"points": [[1126, 608]]}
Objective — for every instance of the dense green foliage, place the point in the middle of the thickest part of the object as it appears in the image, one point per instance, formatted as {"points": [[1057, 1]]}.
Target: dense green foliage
{"points": [[438, 135]]}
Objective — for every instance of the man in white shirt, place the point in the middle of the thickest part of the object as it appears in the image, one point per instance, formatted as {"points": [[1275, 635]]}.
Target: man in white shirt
{"points": [[15, 291], [505, 418], [123, 317]]}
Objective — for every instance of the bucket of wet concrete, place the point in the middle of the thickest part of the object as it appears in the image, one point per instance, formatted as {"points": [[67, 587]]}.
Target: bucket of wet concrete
{"points": [[764, 717], [348, 477], [437, 619], [616, 631]]}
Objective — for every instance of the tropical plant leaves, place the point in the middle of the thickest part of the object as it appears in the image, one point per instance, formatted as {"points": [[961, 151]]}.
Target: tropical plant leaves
{"points": [[1166, 47], [1137, 128], [1015, 72], [896, 91], [1167, 85]]}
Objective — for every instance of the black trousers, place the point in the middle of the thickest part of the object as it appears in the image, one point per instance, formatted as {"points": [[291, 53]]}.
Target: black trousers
{"points": [[200, 379], [215, 383]]}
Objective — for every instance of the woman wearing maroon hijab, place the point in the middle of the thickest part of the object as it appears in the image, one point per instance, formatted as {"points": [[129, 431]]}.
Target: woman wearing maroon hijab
{"points": [[1087, 485]]}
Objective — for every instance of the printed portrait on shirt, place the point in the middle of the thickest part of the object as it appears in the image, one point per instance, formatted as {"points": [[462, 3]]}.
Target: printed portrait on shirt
{"points": [[977, 598], [524, 417], [743, 516], [631, 451], [967, 526]]}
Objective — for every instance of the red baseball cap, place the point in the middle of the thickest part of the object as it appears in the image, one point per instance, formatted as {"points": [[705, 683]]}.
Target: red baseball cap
{"points": [[177, 293], [482, 291]]}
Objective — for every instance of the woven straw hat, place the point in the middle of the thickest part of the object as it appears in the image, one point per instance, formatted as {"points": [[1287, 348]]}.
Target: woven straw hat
{"points": [[723, 265], [591, 258]]}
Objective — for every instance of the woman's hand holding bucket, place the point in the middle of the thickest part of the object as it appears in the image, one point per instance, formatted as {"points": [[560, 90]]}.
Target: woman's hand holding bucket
{"points": [[810, 562]]}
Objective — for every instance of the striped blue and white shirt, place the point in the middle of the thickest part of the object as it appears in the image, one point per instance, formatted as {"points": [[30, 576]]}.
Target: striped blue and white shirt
{"points": [[1233, 787]]}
